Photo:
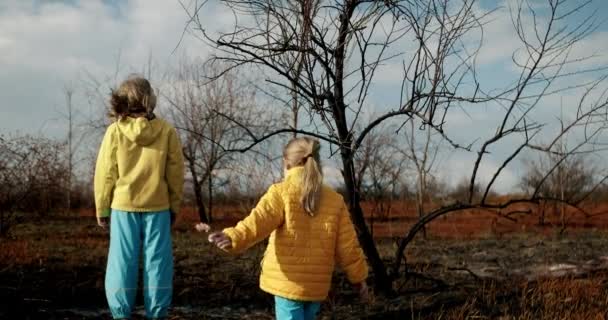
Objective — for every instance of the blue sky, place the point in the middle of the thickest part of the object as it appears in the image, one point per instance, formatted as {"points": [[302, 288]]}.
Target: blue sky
{"points": [[46, 45]]}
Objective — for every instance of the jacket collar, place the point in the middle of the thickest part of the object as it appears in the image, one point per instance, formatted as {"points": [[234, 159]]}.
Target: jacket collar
{"points": [[294, 172]]}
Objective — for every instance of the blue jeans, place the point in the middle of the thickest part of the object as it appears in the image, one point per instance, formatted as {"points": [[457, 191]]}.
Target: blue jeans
{"points": [[286, 309], [129, 231]]}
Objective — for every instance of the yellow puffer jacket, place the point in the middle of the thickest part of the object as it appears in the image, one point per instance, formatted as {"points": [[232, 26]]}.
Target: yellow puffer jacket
{"points": [[139, 167], [302, 250]]}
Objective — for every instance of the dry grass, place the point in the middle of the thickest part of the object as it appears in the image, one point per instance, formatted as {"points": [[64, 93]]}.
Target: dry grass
{"points": [[19, 252], [564, 298]]}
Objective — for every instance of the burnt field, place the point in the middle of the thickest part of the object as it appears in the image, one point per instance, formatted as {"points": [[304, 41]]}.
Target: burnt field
{"points": [[473, 265]]}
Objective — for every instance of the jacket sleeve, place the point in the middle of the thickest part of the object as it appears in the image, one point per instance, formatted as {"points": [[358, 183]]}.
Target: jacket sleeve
{"points": [[174, 172], [349, 255], [106, 174], [263, 219]]}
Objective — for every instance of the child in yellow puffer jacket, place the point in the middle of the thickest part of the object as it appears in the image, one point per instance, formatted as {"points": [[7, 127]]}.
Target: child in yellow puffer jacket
{"points": [[310, 233]]}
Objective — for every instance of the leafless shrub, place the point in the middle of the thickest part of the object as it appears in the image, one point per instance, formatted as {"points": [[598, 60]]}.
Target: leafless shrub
{"points": [[32, 177], [559, 181]]}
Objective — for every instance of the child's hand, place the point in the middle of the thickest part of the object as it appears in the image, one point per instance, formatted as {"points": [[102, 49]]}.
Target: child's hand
{"points": [[364, 293], [221, 240], [103, 222], [202, 227]]}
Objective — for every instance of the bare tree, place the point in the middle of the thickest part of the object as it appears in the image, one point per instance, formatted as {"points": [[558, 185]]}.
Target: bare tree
{"points": [[572, 179], [347, 43], [201, 111], [423, 154], [380, 175], [74, 139], [70, 115], [32, 177]]}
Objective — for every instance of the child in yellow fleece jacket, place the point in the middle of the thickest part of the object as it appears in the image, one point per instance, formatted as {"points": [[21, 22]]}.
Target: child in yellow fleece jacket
{"points": [[138, 183], [310, 233]]}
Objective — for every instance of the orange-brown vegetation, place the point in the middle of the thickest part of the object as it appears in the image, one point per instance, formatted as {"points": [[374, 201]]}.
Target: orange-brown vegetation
{"points": [[546, 299], [395, 218]]}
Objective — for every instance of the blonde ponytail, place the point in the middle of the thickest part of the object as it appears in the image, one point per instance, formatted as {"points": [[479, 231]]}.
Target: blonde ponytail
{"points": [[305, 152]]}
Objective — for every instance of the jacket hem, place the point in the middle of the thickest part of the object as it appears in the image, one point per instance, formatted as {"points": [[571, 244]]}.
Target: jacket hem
{"points": [[133, 209], [290, 296]]}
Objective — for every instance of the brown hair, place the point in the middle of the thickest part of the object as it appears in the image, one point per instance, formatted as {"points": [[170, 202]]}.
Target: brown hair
{"points": [[305, 152], [134, 97]]}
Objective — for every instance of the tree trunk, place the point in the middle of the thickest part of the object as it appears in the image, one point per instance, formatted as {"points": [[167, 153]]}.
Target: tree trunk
{"points": [[420, 202], [69, 93], [198, 194], [382, 282], [69, 189], [562, 211], [210, 198], [541, 214]]}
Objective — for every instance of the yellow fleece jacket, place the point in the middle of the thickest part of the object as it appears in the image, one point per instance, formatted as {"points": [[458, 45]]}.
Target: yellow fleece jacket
{"points": [[302, 250], [139, 167]]}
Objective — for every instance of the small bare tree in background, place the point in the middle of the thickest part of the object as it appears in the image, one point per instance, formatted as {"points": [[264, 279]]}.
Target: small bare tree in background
{"points": [[202, 110], [561, 179], [74, 139], [422, 150], [381, 168], [69, 92]]}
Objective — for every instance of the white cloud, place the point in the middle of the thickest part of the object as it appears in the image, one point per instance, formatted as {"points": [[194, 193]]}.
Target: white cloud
{"points": [[44, 45], [460, 166], [499, 39]]}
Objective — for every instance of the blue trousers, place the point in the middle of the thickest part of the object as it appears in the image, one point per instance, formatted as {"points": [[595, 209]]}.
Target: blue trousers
{"points": [[129, 232], [287, 309]]}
